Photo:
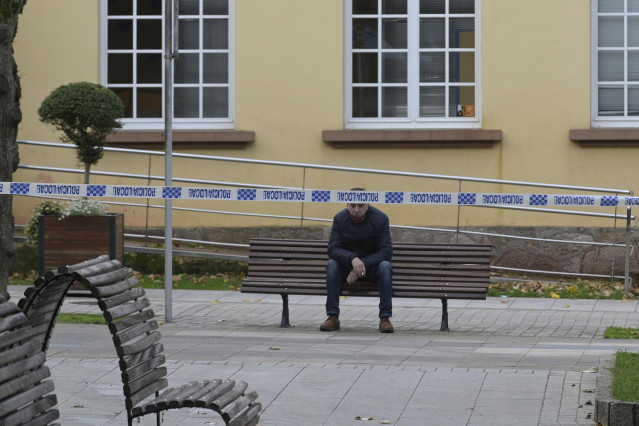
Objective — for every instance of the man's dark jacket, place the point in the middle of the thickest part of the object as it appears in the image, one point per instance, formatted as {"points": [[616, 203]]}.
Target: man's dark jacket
{"points": [[370, 240]]}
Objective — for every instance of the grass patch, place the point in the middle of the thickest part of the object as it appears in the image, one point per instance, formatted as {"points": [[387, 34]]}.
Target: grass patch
{"points": [[625, 385], [621, 333], [80, 319], [579, 289]]}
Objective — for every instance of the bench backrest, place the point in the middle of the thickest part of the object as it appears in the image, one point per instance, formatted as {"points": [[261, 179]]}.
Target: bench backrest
{"points": [[419, 270], [126, 310], [25, 393]]}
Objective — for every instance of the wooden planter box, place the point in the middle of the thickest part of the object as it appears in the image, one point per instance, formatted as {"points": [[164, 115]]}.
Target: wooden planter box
{"points": [[78, 238]]}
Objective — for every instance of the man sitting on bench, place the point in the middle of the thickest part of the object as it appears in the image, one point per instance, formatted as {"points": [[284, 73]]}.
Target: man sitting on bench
{"points": [[359, 248]]}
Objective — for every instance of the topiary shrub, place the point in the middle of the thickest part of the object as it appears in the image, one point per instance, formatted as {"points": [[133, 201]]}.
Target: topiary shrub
{"points": [[86, 113]]}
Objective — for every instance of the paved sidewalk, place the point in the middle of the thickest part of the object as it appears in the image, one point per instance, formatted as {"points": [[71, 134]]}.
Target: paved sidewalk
{"points": [[505, 362]]}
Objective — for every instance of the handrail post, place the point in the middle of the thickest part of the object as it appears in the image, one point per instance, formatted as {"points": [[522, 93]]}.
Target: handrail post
{"points": [[627, 282]]}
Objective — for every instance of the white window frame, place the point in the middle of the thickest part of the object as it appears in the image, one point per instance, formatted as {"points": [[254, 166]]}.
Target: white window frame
{"points": [[178, 123], [413, 120], [595, 119]]}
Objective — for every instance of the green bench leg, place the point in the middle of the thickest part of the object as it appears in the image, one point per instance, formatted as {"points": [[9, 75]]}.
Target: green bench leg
{"points": [[285, 323], [444, 326]]}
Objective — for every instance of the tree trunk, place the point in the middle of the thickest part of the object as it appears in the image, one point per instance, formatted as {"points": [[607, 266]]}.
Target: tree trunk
{"points": [[10, 117]]}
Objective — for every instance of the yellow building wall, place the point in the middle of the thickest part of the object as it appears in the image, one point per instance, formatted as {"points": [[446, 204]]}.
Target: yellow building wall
{"points": [[289, 86]]}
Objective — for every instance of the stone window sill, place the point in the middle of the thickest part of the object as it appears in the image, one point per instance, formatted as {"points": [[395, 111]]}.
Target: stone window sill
{"points": [[154, 139], [437, 138], [605, 137]]}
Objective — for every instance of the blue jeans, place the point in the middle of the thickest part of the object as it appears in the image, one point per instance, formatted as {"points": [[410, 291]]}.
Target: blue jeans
{"points": [[382, 274]]}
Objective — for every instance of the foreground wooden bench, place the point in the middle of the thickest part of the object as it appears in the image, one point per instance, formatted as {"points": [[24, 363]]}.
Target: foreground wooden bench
{"points": [[442, 271], [25, 392], [137, 343]]}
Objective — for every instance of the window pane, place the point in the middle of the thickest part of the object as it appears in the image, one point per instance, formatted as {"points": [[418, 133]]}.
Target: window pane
{"points": [[394, 102], [610, 31], [190, 7], [633, 101], [461, 67], [610, 6], [364, 7], [431, 67], [364, 102], [394, 33], [149, 102], [431, 102], [120, 34], [216, 101], [216, 7], [187, 102], [394, 68], [120, 68], [216, 68], [462, 32], [432, 6], [216, 34], [149, 68], [462, 6], [149, 7], [149, 34], [610, 101], [120, 7], [610, 66], [187, 68], [126, 96], [364, 33], [633, 6], [633, 31], [189, 36], [431, 33], [365, 68], [461, 101], [396, 7], [633, 65]]}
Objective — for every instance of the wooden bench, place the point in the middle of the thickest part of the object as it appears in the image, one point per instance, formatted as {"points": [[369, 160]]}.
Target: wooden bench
{"points": [[442, 271], [25, 393], [136, 338]]}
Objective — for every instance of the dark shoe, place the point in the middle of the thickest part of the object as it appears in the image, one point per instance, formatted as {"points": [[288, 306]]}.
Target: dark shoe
{"points": [[331, 323], [385, 325]]}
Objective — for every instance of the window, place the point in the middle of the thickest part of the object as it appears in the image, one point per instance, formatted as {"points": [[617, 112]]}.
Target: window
{"points": [[133, 59], [615, 63], [412, 63]]}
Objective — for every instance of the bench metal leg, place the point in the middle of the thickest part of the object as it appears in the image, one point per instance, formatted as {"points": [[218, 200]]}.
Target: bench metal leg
{"points": [[444, 326], [285, 322]]}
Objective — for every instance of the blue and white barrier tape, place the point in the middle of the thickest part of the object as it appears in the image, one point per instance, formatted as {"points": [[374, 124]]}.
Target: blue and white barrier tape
{"points": [[314, 195]]}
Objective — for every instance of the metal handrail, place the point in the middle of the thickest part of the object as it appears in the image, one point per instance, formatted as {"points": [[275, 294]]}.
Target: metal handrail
{"points": [[148, 177]]}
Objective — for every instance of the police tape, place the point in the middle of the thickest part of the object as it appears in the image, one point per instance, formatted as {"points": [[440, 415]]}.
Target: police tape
{"points": [[313, 195]]}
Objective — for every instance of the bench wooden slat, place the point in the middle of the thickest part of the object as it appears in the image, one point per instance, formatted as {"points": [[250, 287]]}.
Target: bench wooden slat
{"points": [[107, 303], [132, 360], [28, 414], [17, 364], [229, 397], [139, 345], [152, 376], [15, 402], [248, 417], [236, 407], [190, 400], [20, 334], [113, 289], [135, 331], [133, 400], [125, 309], [29, 379], [205, 400], [142, 368]]}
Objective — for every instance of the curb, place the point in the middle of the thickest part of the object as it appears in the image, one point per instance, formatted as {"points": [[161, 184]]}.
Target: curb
{"points": [[608, 410]]}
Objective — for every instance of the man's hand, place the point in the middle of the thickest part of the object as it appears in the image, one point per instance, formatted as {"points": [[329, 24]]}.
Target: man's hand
{"points": [[352, 277], [358, 267]]}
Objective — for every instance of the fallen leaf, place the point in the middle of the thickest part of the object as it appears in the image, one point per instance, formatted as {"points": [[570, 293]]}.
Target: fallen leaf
{"points": [[274, 348], [363, 418], [566, 306], [385, 422], [555, 295], [221, 320], [591, 370], [215, 301]]}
